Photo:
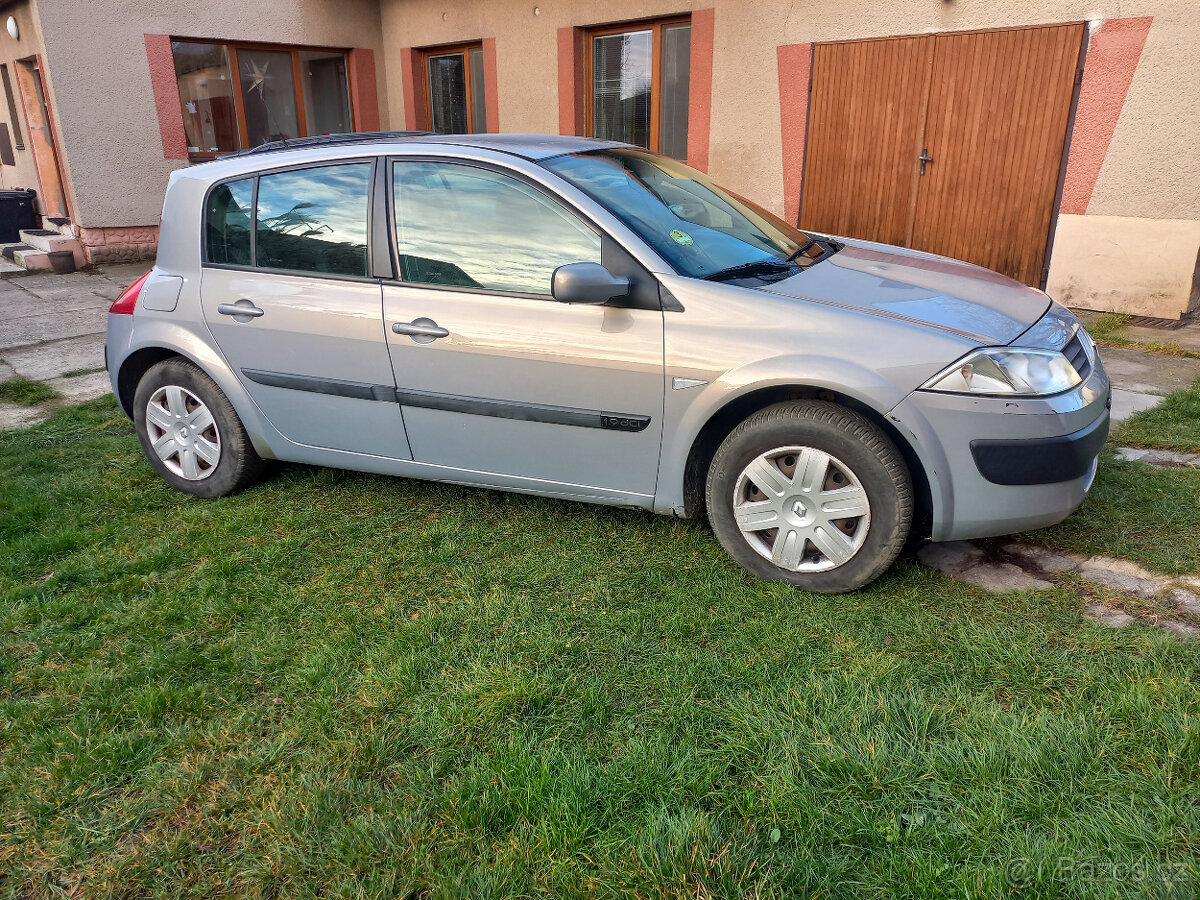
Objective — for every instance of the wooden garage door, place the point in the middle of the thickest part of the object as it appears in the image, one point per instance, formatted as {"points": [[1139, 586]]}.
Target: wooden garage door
{"points": [[987, 111]]}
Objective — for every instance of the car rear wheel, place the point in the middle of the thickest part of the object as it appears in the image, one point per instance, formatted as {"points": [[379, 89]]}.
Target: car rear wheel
{"points": [[190, 433], [812, 494]]}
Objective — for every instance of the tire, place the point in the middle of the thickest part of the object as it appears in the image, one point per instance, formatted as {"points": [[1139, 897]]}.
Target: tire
{"points": [[181, 393], [814, 460]]}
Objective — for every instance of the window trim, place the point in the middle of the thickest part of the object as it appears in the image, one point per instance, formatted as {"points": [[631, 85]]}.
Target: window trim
{"points": [[397, 279], [422, 55], [239, 112], [371, 276], [655, 26], [18, 139]]}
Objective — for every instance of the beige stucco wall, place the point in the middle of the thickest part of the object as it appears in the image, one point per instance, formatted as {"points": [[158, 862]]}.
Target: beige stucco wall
{"points": [[1151, 171], [24, 173], [104, 102]]}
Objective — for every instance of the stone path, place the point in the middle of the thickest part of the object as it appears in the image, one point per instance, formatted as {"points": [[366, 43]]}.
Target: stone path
{"points": [[1172, 604], [1140, 380], [51, 325]]}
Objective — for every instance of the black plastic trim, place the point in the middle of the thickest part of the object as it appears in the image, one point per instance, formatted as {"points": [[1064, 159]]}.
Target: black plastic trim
{"points": [[1041, 460], [475, 406]]}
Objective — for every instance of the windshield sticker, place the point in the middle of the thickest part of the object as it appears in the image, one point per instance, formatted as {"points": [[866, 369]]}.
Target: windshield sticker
{"points": [[682, 238]]}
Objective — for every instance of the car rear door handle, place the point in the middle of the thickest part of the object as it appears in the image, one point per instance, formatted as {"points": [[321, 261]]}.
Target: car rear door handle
{"points": [[242, 311], [421, 330]]}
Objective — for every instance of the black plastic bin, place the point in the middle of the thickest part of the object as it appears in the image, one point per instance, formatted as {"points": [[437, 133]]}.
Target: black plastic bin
{"points": [[17, 211]]}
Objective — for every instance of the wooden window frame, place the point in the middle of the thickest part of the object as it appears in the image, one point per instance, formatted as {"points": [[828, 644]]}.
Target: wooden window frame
{"points": [[655, 27], [231, 50], [421, 59]]}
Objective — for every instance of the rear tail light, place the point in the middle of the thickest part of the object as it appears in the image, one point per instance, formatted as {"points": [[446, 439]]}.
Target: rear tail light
{"points": [[128, 300]]}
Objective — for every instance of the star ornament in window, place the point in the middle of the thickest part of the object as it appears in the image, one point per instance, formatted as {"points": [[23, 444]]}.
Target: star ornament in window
{"points": [[257, 76]]}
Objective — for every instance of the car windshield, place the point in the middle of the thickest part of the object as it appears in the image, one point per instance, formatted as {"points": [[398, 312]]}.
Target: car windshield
{"points": [[701, 229]]}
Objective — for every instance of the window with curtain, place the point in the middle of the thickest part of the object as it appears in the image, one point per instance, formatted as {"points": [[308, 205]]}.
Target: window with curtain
{"points": [[237, 96], [638, 78]]}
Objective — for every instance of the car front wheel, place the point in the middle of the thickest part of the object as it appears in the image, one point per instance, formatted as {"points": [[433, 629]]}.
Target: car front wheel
{"points": [[812, 494], [190, 433]]}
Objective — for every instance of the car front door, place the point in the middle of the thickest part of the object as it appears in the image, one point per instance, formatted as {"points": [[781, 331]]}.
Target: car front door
{"points": [[288, 296], [495, 376]]}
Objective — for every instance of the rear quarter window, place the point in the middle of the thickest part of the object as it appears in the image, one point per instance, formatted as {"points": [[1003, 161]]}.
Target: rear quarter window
{"points": [[227, 223]]}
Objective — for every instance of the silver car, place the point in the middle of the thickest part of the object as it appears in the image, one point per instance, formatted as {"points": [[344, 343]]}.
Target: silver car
{"points": [[583, 319]]}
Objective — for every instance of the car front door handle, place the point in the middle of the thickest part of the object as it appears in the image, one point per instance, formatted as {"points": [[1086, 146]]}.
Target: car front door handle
{"points": [[422, 330], [242, 311]]}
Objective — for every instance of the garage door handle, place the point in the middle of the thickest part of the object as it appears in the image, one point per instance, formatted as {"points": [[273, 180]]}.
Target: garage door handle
{"points": [[243, 308], [421, 330]]}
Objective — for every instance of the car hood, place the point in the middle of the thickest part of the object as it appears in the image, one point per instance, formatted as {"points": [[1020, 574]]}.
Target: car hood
{"points": [[944, 294]]}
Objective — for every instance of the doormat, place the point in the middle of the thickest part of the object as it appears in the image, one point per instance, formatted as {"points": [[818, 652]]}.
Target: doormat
{"points": [[1152, 322]]}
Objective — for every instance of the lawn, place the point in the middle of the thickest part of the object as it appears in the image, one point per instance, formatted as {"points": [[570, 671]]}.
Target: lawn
{"points": [[1173, 425], [348, 685]]}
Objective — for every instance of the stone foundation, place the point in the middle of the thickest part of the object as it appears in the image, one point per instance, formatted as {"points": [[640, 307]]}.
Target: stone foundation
{"points": [[107, 245]]}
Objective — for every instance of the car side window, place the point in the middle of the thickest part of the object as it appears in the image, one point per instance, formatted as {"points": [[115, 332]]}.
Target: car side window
{"points": [[314, 220], [227, 223], [465, 226]]}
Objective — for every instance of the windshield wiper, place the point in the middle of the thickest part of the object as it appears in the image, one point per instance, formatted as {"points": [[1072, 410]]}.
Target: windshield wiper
{"points": [[755, 268]]}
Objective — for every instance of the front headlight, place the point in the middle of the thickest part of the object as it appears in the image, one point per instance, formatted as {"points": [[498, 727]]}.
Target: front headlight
{"points": [[1009, 371]]}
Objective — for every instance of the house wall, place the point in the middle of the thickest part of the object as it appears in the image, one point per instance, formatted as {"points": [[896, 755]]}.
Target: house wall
{"points": [[114, 159], [24, 173], [1135, 160]]}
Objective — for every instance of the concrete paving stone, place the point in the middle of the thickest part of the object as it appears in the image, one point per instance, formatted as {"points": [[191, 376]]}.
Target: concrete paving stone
{"points": [[51, 327], [53, 358], [1126, 403], [1122, 576], [82, 388], [1183, 629], [964, 561], [1107, 615], [1163, 458], [950, 557], [14, 416], [6, 371], [1185, 601], [1149, 373], [1042, 558]]}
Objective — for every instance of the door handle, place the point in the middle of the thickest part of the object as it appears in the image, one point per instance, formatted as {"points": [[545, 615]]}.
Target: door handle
{"points": [[924, 158], [422, 330], [242, 311]]}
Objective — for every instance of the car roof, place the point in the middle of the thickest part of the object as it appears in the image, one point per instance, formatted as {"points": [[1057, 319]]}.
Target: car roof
{"points": [[529, 146], [316, 149]]}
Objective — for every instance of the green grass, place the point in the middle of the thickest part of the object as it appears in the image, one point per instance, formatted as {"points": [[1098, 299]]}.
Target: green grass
{"points": [[26, 391], [346, 685], [1109, 331], [75, 373], [1172, 425]]}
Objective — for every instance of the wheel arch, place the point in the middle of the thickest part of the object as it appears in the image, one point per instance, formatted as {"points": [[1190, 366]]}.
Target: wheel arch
{"points": [[726, 418]]}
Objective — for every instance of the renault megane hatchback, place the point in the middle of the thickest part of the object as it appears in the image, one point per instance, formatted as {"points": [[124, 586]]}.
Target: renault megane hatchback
{"points": [[584, 319]]}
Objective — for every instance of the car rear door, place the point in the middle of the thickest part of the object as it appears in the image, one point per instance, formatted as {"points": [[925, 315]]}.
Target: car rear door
{"points": [[288, 294], [493, 374]]}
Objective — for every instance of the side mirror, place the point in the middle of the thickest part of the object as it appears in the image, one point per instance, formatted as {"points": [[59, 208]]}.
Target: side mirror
{"points": [[586, 282]]}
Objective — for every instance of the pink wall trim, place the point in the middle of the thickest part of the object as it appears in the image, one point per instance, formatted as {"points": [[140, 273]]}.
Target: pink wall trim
{"points": [[166, 96], [570, 74], [1112, 58], [364, 90], [700, 88], [491, 91], [795, 69], [412, 91]]}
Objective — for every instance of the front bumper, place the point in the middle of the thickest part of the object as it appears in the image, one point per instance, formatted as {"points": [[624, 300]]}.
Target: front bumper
{"points": [[996, 465]]}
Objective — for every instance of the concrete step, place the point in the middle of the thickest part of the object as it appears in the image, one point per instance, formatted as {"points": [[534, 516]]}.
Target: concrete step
{"points": [[33, 259], [54, 241]]}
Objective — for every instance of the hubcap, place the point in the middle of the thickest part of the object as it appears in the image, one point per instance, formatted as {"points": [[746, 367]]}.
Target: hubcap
{"points": [[801, 508], [183, 432]]}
